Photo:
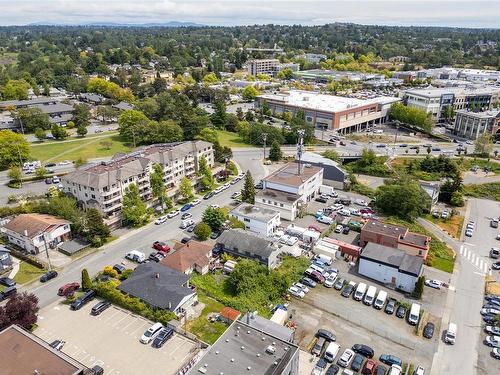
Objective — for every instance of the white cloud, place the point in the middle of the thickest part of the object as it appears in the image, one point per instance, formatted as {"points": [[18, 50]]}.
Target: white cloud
{"points": [[481, 13]]}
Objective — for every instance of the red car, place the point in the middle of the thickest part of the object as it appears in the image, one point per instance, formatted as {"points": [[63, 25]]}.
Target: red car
{"points": [[161, 246], [369, 367], [366, 210], [68, 289]]}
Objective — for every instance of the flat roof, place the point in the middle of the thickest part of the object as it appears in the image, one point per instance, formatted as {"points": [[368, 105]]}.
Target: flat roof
{"points": [[323, 102], [281, 196], [383, 228], [242, 350], [485, 114], [254, 212], [289, 175], [268, 326], [409, 264], [22, 353]]}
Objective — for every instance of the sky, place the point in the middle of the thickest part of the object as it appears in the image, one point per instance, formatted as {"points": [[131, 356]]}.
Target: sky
{"points": [[459, 13]]}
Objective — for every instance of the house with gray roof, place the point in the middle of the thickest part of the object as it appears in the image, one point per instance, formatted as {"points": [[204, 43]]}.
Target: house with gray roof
{"points": [[244, 244], [333, 174], [390, 266], [161, 287]]}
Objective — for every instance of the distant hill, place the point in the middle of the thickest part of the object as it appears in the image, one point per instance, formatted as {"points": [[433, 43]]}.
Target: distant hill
{"points": [[113, 24]]}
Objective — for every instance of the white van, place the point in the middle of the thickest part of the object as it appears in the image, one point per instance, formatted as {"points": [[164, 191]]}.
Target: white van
{"points": [[380, 301], [370, 295], [331, 351], [324, 258], [186, 223], [136, 256], [317, 268], [414, 314], [360, 291], [151, 333], [451, 334]]}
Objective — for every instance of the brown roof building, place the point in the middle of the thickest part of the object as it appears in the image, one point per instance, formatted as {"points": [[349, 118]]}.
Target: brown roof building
{"points": [[22, 353], [395, 236], [189, 257]]}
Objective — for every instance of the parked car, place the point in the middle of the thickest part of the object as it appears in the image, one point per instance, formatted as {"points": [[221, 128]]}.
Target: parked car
{"points": [[325, 219], [7, 292], [332, 370], [357, 362], [320, 367], [380, 370], [68, 289], [186, 207], [493, 341], [215, 234], [309, 282], [346, 230], [401, 312], [330, 280], [391, 306], [348, 289], [339, 284], [161, 246], [346, 358], [100, 307], [173, 213], [151, 333], [339, 228], [136, 256], [468, 232], [208, 195], [495, 353], [419, 371], [186, 215], [369, 367], [321, 199], [364, 350], [302, 287], [390, 360], [161, 219], [490, 311], [119, 268], [7, 281], [48, 276], [57, 344], [428, 330], [492, 330], [495, 266], [162, 337], [436, 284], [490, 319], [83, 300], [195, 202], [326, 334], [296, 292], [97, 370]]}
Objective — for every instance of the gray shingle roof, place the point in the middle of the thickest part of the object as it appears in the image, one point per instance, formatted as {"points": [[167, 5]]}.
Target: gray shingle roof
{"points": [[165, 291], [242, 241], [55, 108], [406, 263]]}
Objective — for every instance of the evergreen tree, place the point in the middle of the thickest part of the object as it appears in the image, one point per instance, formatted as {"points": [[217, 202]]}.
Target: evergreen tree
{"points": [[97, 230], [157, 185], [86, 283], [275, 154], [135, 212], [81, 130], [207, 179], [248, 191]]}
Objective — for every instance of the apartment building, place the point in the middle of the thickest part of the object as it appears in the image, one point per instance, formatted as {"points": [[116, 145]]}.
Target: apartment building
{"points": [[269, 66], [328, 111], [58, 112], [469, 124], [435, 100], [103, 185]]}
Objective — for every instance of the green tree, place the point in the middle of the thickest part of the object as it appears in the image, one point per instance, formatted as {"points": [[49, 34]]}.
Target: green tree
{"points": [[457, 199], [218, 118], [130, 125], [15, 175], [158, 185], [40, 172], [275, 153], [484, 144], [248, 191], [134, 210], [413, 116], [214, 217], [96, 230], [207, 179], [107, 113], [202, 231], [81, 115], [448, 112], [14, 149], [59, 132], [40, 134], [331, 154], [210, 79], [32, 118], [232, 168], [186, 189], [86, 282], [249, 93], [286, 74], [81, 130], [419, 288]]}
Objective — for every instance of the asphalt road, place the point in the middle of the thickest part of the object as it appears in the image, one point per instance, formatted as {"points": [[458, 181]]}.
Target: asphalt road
{"points": [[143, 238]]}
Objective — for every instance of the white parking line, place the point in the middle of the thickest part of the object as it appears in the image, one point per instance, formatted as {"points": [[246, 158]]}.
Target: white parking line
{"points": [[461, 249], [473, 258], [481, 264], [490, 273], [469, 244], [477, 262]]}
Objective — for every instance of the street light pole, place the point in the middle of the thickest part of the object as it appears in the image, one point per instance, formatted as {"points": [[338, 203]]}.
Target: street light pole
{"points": [[47, 252], [264, 137]]}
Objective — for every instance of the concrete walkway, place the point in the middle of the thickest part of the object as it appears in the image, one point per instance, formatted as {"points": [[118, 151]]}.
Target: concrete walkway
{"points": [[15, 267]]}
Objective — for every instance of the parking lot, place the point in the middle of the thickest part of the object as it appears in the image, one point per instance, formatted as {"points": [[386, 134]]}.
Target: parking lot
{"points": [[111, 340]]}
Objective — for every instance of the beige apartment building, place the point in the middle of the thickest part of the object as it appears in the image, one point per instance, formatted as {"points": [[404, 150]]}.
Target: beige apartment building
{"points": [[103, 185]]}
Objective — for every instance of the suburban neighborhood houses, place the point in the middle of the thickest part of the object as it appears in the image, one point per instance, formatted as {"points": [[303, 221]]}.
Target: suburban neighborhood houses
{"points": [[286, 198]]}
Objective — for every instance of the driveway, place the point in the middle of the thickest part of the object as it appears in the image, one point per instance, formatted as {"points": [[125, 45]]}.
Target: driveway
{"points": [[111, 340]]}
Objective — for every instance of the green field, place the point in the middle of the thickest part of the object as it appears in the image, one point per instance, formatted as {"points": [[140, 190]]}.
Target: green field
{"points": [[85, 148], [231, 139]]}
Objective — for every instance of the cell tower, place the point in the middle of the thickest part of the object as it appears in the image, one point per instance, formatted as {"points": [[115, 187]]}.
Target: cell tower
{"points": [[300, 150]]}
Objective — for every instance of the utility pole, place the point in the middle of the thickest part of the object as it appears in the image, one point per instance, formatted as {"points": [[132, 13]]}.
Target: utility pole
{"points": [[47, 252], [300, 149], [264, 137]]}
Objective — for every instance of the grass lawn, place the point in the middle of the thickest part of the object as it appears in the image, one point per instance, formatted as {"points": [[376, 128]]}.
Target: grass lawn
{"points": [[452, 225], [440, 255], [85, 148], [231, 139], [488, 191], [467, 163], [201, 327], [27, 273]]}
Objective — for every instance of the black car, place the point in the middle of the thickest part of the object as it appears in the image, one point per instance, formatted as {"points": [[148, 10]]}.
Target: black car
{"points": [[327, 335], [259, 185], [7, 292], [322, 363], [100, 307], [119, 268], [186, 240], [7, 281], [321, 199], [83, 300], [357, 362], [346, 230], [380, 370], [364, 350], [309, 282], [155, 256], [97, 370], [496, 266], [390, 307], [347, 291], [429, 330], [191, 228], [162, 337], [215, 234], [490, 318], [48, 276], [50, 165], [332, 370], [57, 344], [401, 311]]}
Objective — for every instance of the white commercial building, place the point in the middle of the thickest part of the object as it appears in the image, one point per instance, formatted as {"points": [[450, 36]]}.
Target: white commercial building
{"points": [[257, 219], [286, 189], [390, 266]]}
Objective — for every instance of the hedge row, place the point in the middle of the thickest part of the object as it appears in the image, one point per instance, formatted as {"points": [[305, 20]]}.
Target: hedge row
{"points": [[27, 258]]}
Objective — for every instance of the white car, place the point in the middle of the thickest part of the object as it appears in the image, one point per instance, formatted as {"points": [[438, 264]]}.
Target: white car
{"points": [[302, 287], [346, 358], [490, 311], [325, 196], [64, 162], [241, 175], [292, 241], [395, 370], [296, 292], [325, 219], [219, 189], [436, 284], [344, 212], [56, 180], [226, 186], [469, 142], [361, 202], [173, 213], [366, 215], [161, 219], [493, 341], [151, 333], [338, 229], [196, 202], [337, 206], [234, 181], [355, 212], [284, 239], [493, 330], [214, 206], [471, 225], [498, 236], [419, 371], [469, 232], [330, 280]]}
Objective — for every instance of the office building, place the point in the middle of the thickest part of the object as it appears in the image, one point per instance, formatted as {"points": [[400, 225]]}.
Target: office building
{"points": [[269, 66], [469, 124], [257, 219], [330, 112], [103, 185]]}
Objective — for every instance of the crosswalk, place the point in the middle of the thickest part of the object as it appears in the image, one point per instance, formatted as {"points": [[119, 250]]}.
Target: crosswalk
{"points": [[476, 260]]}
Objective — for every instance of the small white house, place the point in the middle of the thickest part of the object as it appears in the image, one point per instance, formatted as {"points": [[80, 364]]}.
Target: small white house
{"points": [[31, 231], [257, 219], [390, 266]]}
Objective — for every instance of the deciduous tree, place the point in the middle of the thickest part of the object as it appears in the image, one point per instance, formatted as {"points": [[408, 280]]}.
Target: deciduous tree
{"points": [[214, 217], [186, 188], [202, 231], [134, 210]]}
